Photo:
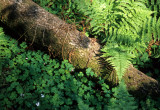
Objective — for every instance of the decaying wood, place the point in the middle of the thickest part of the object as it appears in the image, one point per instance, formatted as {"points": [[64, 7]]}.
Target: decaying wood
{"points": [[46, 30]]}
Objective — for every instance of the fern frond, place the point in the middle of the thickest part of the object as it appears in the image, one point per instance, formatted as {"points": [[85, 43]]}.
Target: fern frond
{"points": [[114, 14], [122, 100], [3, 45], [158, 28], [2, 42], [151, 29], [118, 57], [127, 25]]}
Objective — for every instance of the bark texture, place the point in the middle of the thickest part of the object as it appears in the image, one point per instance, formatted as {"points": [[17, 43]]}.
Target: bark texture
{"points": [[46, 30]]}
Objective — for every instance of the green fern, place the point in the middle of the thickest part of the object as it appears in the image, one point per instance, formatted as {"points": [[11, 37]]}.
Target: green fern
{"points": [[3, 45], [2, 42], [151, 29], [122, 22], [3, 49], [82, 105], [108, 15], [122, 99], [118, 57], [1, 34], [153, 23]]}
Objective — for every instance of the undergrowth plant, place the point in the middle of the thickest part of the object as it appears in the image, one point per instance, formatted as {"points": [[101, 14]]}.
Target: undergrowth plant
{"points": [[3, 48], [127, 27], [66, 10], [150, 104], [151, 57], [122, 100], [31, 80]]}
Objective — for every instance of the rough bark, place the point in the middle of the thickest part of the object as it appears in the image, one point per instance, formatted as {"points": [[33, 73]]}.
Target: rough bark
{"points": [[47, 30]]}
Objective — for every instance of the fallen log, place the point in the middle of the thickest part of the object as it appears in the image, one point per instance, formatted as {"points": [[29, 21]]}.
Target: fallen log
{"points": [[44, 29]]}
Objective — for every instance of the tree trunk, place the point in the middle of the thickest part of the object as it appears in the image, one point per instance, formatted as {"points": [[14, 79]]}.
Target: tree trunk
{"points": [[46, 30]]}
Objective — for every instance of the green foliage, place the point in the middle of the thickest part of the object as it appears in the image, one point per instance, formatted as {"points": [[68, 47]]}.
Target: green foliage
{"points": [[3, 44], [151, 29], [109, 15], [4, 51], [153, 5], [122, 100], [31, 80], [151, 26], [66, 10], [150, 104], [121, 59], [56, 6], [155, 51], [127, 27], [149, 63]]}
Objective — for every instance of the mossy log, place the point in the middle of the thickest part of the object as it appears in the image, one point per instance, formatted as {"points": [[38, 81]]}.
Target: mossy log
{"points": [[44, 29]]}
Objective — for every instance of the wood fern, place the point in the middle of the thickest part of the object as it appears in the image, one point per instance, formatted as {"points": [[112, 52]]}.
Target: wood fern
{"points": [[119, 57], [3, 49], [3, 43], [127, 26]]}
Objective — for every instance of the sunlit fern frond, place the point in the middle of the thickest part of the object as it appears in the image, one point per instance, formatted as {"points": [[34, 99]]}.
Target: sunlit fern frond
{"points": [[118, 57]]}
